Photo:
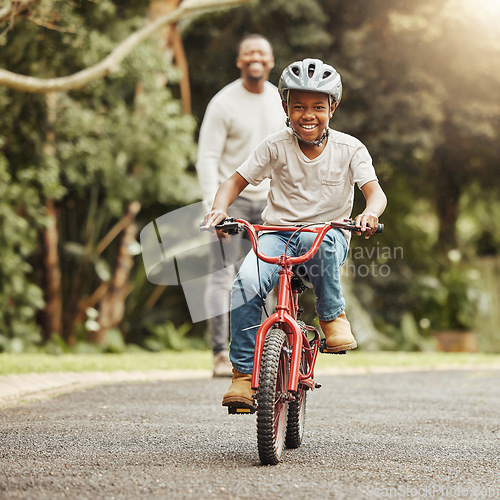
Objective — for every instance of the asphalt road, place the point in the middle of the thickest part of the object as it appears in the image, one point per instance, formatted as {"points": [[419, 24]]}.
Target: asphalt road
{"points": [[427, 434]]}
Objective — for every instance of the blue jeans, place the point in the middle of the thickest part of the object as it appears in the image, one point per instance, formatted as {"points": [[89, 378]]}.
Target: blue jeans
{"points": [[252, 284]]}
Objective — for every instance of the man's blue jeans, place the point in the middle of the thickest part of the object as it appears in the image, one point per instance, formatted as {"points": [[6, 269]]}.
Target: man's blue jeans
{"points": [[252, 284]]}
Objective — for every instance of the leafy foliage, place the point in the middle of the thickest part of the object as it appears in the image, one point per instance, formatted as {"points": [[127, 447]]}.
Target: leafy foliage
{"points": [[121, 139], [421, 90], [20, 215]]}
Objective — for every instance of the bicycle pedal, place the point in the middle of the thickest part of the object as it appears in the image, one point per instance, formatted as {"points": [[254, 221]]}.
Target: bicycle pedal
{"points": [[324, 349], [233, 410]]}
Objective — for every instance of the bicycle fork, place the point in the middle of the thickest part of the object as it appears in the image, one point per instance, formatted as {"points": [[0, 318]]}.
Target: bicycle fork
{"points": [[286, 300]]}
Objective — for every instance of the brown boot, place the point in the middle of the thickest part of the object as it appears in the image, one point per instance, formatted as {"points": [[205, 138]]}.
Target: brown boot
{"points": [[240, 392], [338, 334]]}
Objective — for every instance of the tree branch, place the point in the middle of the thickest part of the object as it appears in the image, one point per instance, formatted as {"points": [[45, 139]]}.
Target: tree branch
{"points": [[112, 62], [14, 8]]}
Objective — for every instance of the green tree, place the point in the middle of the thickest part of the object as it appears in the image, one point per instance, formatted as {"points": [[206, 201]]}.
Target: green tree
{"points": [[426, 91], [72, 163]]}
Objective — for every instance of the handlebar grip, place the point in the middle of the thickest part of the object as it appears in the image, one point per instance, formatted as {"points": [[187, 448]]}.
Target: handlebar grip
{"points": [[350, 225], [229, 226]]}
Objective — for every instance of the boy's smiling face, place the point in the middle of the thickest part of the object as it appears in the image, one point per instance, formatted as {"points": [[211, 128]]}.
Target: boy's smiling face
{"points": [[309, 113]]}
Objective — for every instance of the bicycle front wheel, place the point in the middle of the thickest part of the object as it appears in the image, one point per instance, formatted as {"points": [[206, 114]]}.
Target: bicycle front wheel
{"points": [[272, 409]]}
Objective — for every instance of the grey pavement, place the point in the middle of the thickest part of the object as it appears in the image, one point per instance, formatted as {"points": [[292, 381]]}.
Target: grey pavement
{"points": [[17, 388], [406, 434]]}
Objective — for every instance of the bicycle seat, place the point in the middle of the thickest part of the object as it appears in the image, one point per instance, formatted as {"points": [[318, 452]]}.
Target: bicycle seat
{"points": [[300, 273]]}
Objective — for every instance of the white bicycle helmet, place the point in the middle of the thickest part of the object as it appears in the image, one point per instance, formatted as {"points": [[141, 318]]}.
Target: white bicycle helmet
{"points": [[311, 75]]}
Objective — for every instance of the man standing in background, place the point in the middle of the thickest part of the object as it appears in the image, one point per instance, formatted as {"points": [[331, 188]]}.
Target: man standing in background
{"points": [[237, 119]]}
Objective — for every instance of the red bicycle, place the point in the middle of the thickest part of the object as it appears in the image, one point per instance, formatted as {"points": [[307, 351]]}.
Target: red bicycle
{"points": [[286, 348]]}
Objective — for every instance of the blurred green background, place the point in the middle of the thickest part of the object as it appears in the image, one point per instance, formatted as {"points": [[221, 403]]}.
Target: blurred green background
{"points": [[83, 171]]}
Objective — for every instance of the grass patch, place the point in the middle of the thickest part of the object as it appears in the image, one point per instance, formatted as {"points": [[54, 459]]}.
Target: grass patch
{"points": [[143, 361], [408, 360], [202, 360]]}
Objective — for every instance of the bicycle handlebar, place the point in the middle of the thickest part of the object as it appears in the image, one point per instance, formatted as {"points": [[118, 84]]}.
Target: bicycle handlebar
{"points": [[234, 226]]}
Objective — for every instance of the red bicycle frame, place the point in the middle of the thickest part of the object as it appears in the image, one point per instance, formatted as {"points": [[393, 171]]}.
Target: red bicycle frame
{"points": [[287, 306]]}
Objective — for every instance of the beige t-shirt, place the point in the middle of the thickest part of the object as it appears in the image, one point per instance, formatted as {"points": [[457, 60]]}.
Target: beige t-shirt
{"points": [[304, 190]]}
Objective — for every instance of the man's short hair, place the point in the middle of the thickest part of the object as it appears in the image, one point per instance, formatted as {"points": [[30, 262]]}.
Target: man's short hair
{"points": [[254, 36]]}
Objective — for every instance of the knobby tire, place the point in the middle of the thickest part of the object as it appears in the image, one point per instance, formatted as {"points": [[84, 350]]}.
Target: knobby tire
{"points": [[272, 397]]}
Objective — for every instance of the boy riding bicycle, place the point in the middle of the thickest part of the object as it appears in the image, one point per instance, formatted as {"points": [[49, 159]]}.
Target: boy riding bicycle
{"points": [[312, 170]]}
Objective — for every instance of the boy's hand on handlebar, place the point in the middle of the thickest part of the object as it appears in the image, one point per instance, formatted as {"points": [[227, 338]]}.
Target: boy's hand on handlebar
{"points": [[367, 224], [214, 217]]}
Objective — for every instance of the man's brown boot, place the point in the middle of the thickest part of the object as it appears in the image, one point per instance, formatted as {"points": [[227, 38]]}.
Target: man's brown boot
{"points": [[240, 392], [338, 334]]}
